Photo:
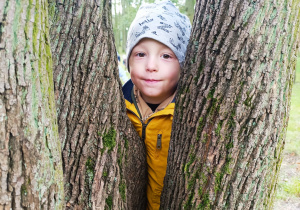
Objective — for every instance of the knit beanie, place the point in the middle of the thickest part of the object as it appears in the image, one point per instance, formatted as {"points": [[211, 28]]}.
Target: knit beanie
{"points": [[162, 22]]}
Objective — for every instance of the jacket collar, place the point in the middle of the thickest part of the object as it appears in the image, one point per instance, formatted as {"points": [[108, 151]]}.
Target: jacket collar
{"points": [[145, 110], [126, 89]]}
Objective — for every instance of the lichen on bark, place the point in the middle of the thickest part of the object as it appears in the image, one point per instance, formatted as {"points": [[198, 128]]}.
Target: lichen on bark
{"points": [[30, 150]]}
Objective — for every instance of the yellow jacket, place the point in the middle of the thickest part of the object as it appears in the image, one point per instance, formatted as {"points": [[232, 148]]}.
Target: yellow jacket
{"points": [[155, 130]]}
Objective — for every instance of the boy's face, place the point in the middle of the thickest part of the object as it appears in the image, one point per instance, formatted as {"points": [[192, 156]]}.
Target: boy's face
{"points": [[154, 69]]}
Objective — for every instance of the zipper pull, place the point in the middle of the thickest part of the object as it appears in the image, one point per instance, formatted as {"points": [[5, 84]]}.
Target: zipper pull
{"points": [[158, 144]]}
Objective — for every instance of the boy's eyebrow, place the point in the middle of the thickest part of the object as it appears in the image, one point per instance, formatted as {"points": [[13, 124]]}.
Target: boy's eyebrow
{"points": [[136, 49]]}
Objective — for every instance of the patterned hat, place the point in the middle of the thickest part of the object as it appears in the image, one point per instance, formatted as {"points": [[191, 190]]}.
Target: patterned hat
{"points": [[162, 22]]}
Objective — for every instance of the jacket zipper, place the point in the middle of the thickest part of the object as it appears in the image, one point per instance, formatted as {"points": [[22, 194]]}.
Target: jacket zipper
{"points": [[137, 108], [144, 129], [144, 125]]}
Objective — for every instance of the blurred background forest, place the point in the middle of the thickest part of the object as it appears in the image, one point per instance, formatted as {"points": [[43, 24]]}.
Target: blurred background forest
{"points": [[288, 188]]}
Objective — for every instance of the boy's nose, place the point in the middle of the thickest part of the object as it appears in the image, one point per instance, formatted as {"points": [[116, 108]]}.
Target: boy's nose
{"points": [[152, 64]]}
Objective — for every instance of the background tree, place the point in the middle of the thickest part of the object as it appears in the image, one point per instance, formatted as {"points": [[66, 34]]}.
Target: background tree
{"points": [[233, 105], [104, 160], [188, 9], [30, 156], [123, 14]]}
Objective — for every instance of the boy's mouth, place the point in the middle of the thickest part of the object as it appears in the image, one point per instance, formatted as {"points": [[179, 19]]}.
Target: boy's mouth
{"points": [[151, 80]]}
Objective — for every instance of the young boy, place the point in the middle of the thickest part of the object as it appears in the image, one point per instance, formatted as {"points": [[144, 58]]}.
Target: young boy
{"points": [[156, 46]]}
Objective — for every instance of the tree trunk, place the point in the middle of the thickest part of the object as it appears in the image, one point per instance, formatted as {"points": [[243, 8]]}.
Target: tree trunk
{"points": [[30, 155], [232, 106], [104, 160]]}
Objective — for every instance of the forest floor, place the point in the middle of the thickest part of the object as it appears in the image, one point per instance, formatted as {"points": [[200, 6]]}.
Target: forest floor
{"points": [[288, 187]]}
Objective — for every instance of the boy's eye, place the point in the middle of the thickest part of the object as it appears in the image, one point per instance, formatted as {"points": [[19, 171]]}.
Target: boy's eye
{"points": [[166, 56], [140, 54]]}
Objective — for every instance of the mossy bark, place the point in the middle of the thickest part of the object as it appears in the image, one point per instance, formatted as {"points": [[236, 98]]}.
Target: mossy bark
{"points": [[30, 151], [104, 160], [233, 105]]}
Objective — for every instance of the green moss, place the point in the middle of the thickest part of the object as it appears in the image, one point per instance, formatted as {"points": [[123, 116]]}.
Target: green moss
{"points": [[186, 90], [211, 93], [192, 181], [36, 28], [202, 183], [205, 203], [109, 202], [203, 179], [119, 149], [238, 98], [122, 190], [200, 190], [109, 139], [219, 175], [49, 65], [219, 128], [23, 190], [126, 143], [90, 170], [218, 181], [229, 145], [126, 147], [104, 174], [51, 10], [214, 109], [120, 158], [204, 140], [187, 166], [231, 122], [247, 102], [214, 106], [189, 204], [227, 168]]}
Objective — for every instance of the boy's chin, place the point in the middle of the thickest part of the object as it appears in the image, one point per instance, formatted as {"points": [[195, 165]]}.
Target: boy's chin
{"points": [[154, 99]]}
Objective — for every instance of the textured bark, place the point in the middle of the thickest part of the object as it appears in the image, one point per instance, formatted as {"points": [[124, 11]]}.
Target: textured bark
{"points": [[233, 104], [103, 158], [30, 155]]}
